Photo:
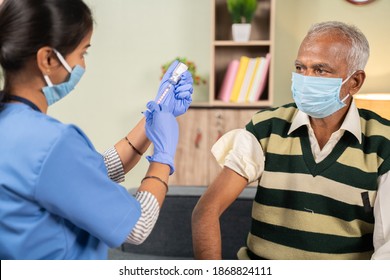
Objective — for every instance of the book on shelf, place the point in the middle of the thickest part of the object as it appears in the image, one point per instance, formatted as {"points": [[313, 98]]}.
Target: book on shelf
{"points": [[245, 79], [260, 80], [257, 62], [244, 60], [228, 81]]}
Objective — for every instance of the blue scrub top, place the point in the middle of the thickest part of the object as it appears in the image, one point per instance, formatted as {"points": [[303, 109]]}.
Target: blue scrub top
{"points": [[56, 199]]}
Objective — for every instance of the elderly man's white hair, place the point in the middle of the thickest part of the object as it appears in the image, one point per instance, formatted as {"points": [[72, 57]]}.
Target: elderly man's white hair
{"points": [[359, 50]]}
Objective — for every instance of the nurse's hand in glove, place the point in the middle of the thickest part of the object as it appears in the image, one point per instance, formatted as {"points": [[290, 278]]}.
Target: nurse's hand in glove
{"points": [[178, 99], [163, 131]]}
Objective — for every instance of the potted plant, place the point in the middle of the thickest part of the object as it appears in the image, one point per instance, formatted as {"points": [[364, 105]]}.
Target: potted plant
{"points": [[242, 12]]}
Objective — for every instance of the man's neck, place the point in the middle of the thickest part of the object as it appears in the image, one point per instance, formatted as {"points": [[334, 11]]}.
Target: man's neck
{"points": [[324, 128]]}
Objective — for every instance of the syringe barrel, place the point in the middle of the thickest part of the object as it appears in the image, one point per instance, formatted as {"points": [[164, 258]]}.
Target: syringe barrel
{"points": [[174, 79]]}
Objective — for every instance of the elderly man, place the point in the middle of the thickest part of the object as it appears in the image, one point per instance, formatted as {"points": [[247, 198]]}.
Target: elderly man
{"points": [[321, 163]]}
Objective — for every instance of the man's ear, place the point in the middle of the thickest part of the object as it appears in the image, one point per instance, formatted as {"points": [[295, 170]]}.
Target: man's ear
{"points": [[357, 81], [46, 60]]}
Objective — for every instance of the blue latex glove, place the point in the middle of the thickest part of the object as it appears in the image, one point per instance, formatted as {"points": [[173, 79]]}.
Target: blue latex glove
{"points": [[163, 131], [178, 99]]}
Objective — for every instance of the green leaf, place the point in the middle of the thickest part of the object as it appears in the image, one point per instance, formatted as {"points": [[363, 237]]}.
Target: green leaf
{"points": [[242, 11]]}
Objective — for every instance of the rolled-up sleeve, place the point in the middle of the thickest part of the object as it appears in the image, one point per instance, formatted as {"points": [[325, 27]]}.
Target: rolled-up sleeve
{"points": [[240, 151]]}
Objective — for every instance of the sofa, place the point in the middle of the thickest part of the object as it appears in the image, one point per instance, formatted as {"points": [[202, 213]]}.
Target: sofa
{"points": [[171, 237]]}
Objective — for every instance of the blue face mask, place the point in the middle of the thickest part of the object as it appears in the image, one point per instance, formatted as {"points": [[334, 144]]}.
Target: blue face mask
{"points": [[53, 93], [316, 96]]}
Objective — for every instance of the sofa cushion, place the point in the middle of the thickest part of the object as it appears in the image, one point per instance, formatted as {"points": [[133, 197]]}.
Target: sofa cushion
{"points": [[171, 237]]}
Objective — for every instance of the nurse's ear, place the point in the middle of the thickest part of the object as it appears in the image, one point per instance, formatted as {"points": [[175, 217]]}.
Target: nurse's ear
{"points": [[47, 60]]}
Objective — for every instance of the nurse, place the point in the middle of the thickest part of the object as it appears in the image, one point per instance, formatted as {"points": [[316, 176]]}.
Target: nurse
{"points": [[60, 198]]}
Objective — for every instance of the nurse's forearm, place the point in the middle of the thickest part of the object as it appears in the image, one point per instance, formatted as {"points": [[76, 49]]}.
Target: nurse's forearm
{"points": [[160, 172], [151, 195], [130, 150]]}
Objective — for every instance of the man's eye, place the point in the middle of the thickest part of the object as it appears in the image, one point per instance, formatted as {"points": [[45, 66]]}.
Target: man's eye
{"points": [[321, 71]]}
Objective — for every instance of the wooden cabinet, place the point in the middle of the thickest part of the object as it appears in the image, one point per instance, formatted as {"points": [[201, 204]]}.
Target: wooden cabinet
{"points": [[192, 154], [224, 49], [200, 128]]}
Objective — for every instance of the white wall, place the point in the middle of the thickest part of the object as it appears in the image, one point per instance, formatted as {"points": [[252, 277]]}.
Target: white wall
{"points": [[133, 38]]}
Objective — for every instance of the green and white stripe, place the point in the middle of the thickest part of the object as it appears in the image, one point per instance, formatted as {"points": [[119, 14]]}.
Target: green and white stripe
{"points": [[309, 210]]}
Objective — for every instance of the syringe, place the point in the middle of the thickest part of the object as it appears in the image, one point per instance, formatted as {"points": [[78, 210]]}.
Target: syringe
{"points": [[173, 80]]}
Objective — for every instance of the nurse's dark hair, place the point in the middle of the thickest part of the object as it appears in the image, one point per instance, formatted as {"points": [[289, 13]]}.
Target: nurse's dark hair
{"points": [[28, 25]]}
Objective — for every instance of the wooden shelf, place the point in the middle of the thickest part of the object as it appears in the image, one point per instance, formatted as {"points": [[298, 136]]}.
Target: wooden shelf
{"points": [[224, 50], [241, 44], [221, 104], [208, 119]]}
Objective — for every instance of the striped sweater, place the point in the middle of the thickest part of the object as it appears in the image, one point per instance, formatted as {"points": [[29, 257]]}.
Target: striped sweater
{"points": [[309, 210]]}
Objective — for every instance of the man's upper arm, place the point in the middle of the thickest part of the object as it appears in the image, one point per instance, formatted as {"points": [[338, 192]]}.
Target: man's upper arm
{"points": [[224, 190]]}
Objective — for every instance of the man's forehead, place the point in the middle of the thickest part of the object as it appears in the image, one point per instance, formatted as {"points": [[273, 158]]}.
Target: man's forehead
{"points": [[323, 49], [329, 39]]}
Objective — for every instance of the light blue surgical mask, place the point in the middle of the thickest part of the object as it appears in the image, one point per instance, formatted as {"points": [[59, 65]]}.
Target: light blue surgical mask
{"points": [[53, 93], [317, 96]]}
